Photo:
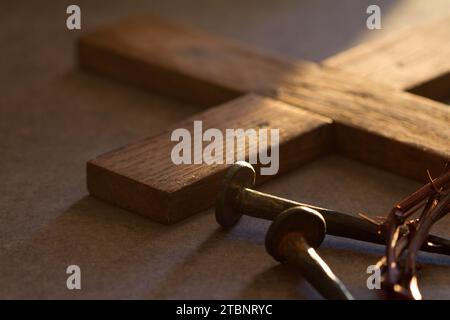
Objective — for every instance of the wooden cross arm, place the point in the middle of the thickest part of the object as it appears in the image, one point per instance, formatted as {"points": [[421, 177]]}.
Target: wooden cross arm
{"points": [[141, 177], [415, 59]]}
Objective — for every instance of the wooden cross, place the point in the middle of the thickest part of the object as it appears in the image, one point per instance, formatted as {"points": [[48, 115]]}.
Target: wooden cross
{"points": [[359, 103]]}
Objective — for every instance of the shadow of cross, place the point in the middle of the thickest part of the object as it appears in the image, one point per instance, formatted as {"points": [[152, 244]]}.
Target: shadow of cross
{"points": [[356, 103]]}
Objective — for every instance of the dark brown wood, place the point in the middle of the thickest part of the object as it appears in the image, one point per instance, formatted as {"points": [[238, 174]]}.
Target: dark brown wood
{"points": [[387, 128], [373, 122], [142, 177]]}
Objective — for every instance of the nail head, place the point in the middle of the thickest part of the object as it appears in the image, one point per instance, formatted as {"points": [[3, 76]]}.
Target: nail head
{"points": [[240, 175], [305, 221]]}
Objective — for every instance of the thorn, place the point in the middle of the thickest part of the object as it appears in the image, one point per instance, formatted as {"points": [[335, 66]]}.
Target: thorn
{"points": [[432, 183], [362, 215]]}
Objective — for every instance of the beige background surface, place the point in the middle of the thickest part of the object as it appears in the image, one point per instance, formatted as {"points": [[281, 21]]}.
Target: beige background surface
{"points": [[54, 117]]}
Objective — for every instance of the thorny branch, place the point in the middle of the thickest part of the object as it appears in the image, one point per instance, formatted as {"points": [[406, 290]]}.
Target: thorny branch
{"points": [[405, 236]]}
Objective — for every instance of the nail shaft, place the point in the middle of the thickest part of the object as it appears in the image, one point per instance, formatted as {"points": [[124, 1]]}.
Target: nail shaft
{"points": [[313, 268], [265, 206]]}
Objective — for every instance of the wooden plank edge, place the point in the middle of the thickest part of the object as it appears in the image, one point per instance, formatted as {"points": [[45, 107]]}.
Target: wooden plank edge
{"points": [[169, 208]]}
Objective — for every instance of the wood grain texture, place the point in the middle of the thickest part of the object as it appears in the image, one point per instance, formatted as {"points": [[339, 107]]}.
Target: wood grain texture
{"points": [[383, 126], [142, 177], [416, 59], [394, 130], [174, 60]]}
